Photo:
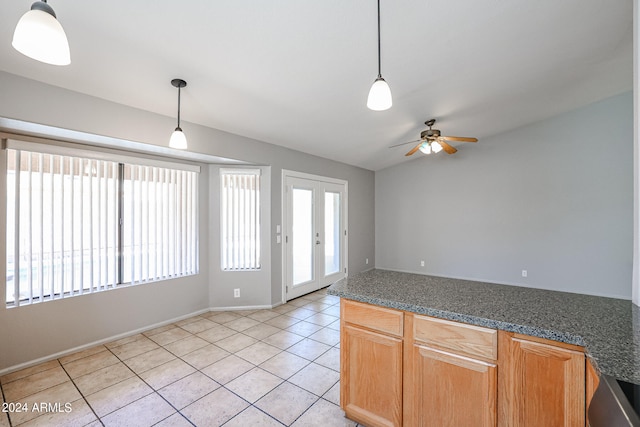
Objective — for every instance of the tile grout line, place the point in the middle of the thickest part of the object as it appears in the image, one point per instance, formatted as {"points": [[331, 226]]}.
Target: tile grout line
{"points": [[79, 391], [5, 400], [255, 407]]}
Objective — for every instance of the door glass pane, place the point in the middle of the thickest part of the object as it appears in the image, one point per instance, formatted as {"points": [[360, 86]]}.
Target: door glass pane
{"points": [[331, 233], [302, 238]]}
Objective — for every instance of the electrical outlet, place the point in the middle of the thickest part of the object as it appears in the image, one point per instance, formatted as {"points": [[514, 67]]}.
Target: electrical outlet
{"points": [[524, 273], [366, 261], [421, 263], [236, 293]]}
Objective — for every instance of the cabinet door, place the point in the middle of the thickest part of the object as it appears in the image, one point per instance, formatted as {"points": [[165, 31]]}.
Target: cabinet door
{"points": [[450, 390], [371, 380], [540, 384]]}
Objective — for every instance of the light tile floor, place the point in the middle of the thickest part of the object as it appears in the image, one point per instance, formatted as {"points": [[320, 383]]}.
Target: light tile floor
{"points": [[242, 368]]}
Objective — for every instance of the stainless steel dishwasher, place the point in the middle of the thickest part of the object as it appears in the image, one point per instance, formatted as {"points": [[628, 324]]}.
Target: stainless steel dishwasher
{"points": [[615, 404]]}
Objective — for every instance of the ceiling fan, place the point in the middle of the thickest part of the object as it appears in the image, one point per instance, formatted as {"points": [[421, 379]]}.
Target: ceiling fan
{"points": [[432, 142]]}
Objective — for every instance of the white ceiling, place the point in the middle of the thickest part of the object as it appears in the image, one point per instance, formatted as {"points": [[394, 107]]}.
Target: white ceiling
{"points": [[296, 73]]}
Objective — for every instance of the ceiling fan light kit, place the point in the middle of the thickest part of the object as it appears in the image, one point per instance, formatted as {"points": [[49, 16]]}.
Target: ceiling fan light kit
{"points": [[379, 98], [178, 139], [425, 148], [40, 36]]}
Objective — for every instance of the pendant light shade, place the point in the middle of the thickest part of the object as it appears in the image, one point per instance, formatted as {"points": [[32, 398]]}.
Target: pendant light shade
{"points": [[40, 36], [380, 94], [178, 138]]}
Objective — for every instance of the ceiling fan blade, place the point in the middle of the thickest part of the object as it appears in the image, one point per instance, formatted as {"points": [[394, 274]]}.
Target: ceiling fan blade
{"points": [[459, 138], [414, 149], [446, 147], [404, 143]]}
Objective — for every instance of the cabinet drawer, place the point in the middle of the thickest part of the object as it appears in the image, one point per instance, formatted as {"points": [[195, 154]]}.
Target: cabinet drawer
{"points": [[458, 337], [379, 319]]}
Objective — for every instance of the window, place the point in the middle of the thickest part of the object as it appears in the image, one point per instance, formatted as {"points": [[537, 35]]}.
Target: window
{"points": [[240, 219], [78, 225]]}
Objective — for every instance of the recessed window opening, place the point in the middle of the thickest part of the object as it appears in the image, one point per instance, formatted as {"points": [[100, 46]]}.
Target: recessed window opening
{"points": [[79, 225], [240, 219]]}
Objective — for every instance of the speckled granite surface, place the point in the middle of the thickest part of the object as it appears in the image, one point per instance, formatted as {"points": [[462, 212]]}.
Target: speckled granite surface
{"points": [[609, 328]]}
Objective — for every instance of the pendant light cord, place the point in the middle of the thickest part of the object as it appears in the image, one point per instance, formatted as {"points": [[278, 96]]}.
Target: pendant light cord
{"points": [[379, 67], [179, 106]]}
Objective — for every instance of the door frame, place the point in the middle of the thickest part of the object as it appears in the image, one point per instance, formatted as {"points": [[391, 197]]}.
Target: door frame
{"points": [[283, 220]]}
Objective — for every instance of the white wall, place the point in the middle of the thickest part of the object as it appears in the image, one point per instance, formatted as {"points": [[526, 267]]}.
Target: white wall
{"points": [[31, 332], [554, 198]]}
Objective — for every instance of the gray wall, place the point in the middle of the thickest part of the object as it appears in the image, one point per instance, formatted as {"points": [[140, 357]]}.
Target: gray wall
{"points": [[81, 320], [554, 198]]}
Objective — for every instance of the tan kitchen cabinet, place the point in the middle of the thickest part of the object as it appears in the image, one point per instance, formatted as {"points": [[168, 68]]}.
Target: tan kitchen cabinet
{"points": [[540, 382], [450, 373], [371, 364]]}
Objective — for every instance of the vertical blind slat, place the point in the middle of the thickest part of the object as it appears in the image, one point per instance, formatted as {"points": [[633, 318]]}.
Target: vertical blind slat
{"points": [[114, 250], [29, 228], [90, 227], [82, 173], [61, 169], [104, 254], [72, 215], [147, 221], [99, 221], [51, 227], [41, 223], [16, 248]]}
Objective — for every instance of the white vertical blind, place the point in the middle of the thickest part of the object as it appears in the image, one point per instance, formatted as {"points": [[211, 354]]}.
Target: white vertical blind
{"points": [[46, 218], [160, 223], [240, 219], [66, 229]]}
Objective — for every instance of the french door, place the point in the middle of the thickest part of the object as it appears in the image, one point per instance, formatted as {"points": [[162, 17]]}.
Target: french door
{"points": [[314, 234]]}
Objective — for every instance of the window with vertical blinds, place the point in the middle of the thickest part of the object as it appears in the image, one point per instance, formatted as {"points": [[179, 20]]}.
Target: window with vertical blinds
{"points": [[240, 219], [79, 225]]}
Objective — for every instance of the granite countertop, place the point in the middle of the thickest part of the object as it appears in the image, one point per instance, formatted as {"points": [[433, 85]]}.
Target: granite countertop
{"points": [[608, 328]]}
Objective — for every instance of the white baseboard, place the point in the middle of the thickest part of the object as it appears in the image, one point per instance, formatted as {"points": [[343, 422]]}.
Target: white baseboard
{"points": [[244, 307], [95, 343]]}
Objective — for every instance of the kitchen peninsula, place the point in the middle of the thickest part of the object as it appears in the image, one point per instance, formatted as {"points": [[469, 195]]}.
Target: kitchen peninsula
{"points": [[479, 337]]}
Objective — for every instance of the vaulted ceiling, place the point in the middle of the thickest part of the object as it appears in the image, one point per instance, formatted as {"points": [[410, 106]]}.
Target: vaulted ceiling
{"points": [[296, 73]]}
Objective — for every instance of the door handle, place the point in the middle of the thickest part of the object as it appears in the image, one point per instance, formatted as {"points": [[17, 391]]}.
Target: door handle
{"points": [[317, 242]]}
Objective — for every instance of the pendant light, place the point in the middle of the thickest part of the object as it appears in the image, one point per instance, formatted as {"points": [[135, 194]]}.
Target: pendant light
{"points": [[380, 94], [40, 36], [178, 139]]}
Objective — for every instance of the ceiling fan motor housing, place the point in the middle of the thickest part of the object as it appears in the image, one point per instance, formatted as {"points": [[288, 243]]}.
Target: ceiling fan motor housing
{"points": [[429, 134]]}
